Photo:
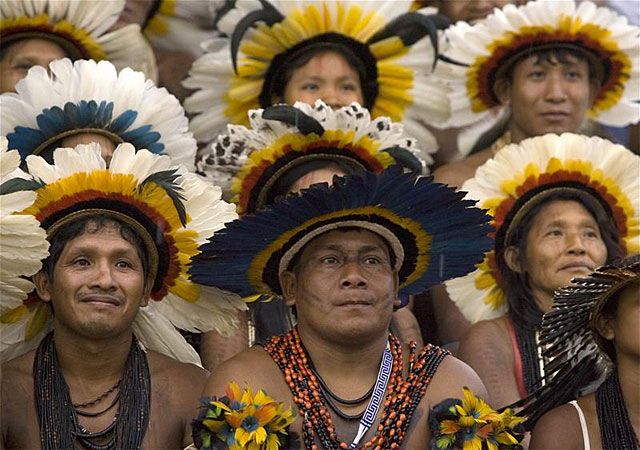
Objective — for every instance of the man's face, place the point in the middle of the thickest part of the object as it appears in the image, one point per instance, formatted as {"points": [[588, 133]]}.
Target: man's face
{"points": [[343, 286], [98, 284], [548, 96], [23, 55]]}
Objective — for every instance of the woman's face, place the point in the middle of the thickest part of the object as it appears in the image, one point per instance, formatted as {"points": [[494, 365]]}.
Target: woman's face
{"points": [[22, 56], [564, 242], [327, 77]]}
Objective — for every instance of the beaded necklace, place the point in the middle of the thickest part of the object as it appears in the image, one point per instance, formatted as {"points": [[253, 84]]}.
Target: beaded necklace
{"points": [[532, 362], [616, 431], [403, 395], [58, 419]]}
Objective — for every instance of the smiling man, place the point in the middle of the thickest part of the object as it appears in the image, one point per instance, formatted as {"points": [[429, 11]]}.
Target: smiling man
{"points": [[340, 256], [110, 371]]}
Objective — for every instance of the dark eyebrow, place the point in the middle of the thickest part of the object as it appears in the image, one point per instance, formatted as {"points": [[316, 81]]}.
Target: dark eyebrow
{"points": [[364, 249], [583, 223], [122, 251]]}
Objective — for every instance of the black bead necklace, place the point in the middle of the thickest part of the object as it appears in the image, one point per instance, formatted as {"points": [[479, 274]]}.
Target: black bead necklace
{"points": [[58, 419]]}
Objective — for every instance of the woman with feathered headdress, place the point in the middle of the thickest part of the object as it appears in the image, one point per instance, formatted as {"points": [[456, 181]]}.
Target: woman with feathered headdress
{"points": [[374, 53], [562, 205]]}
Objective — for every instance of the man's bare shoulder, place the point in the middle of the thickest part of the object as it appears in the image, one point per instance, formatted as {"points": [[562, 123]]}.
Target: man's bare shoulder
{"points": [[452, 375], [18, 370], [164, 369], [253, 367], [447, 382]]}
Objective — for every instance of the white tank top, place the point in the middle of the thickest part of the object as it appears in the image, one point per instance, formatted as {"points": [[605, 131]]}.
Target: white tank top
{"points": [[583, 425]]}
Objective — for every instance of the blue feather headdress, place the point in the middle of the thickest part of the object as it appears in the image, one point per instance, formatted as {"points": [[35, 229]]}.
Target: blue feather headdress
{"points": [[434, 234], [90, 97]]}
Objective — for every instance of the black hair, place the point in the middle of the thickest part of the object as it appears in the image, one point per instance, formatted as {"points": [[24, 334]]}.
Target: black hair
{"points": [[93, 224], [559, 55], [523, 310], [283, 185], [554, 56], [368, 87]]}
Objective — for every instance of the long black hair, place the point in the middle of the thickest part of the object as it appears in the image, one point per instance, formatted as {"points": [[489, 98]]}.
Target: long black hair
{"points": [[523, 309]]}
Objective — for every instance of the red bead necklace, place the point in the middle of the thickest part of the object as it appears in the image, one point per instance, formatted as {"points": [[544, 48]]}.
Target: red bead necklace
{"points": [[403, 395]]}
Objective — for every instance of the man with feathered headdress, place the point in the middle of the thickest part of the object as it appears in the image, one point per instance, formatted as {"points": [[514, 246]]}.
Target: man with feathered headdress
{"points": [[340, 255], [94, 359]]}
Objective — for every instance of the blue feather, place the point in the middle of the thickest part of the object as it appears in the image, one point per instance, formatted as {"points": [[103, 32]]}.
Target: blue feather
{"points": [[123, 121], [457, 228]]}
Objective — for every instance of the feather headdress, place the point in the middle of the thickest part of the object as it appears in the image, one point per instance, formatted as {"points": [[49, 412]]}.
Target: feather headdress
{"points": [[238, 72], [86, 96], [180, 25], [81, 28], [519, 175], [23, 244], [171, 209], [570, 338], [283, 137], [433, 233], [484, 51]]}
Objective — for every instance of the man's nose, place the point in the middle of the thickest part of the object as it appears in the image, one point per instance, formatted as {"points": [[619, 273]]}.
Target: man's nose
{"points": [[555, 89], [102, 277], [352, 275]]}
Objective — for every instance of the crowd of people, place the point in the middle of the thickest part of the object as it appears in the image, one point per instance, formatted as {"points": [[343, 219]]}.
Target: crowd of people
{"points": [[332, 224]]}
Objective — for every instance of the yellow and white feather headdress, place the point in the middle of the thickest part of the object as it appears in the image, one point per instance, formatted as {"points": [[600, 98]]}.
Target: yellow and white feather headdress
{"points": [[81, 28], [238, 71], [505, 184], [173, 211], [491, 46], [180, 25], [23, 244], [89, 96]]}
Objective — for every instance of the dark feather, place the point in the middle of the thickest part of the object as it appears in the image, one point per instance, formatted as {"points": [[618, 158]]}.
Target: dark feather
{"points": [[410, 27], [19, 184], [268, 15], [293, 116], [405, 158], [167, 181]]}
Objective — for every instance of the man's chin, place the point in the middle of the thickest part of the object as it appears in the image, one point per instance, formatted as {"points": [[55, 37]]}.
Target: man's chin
{"points": [[100, 330]]}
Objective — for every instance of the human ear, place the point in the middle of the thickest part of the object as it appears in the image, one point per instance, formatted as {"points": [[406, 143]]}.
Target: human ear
{"points": [[502, 89], [43, 286], [604, 327], [288, 283], [512, 258], [146, 295]]}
